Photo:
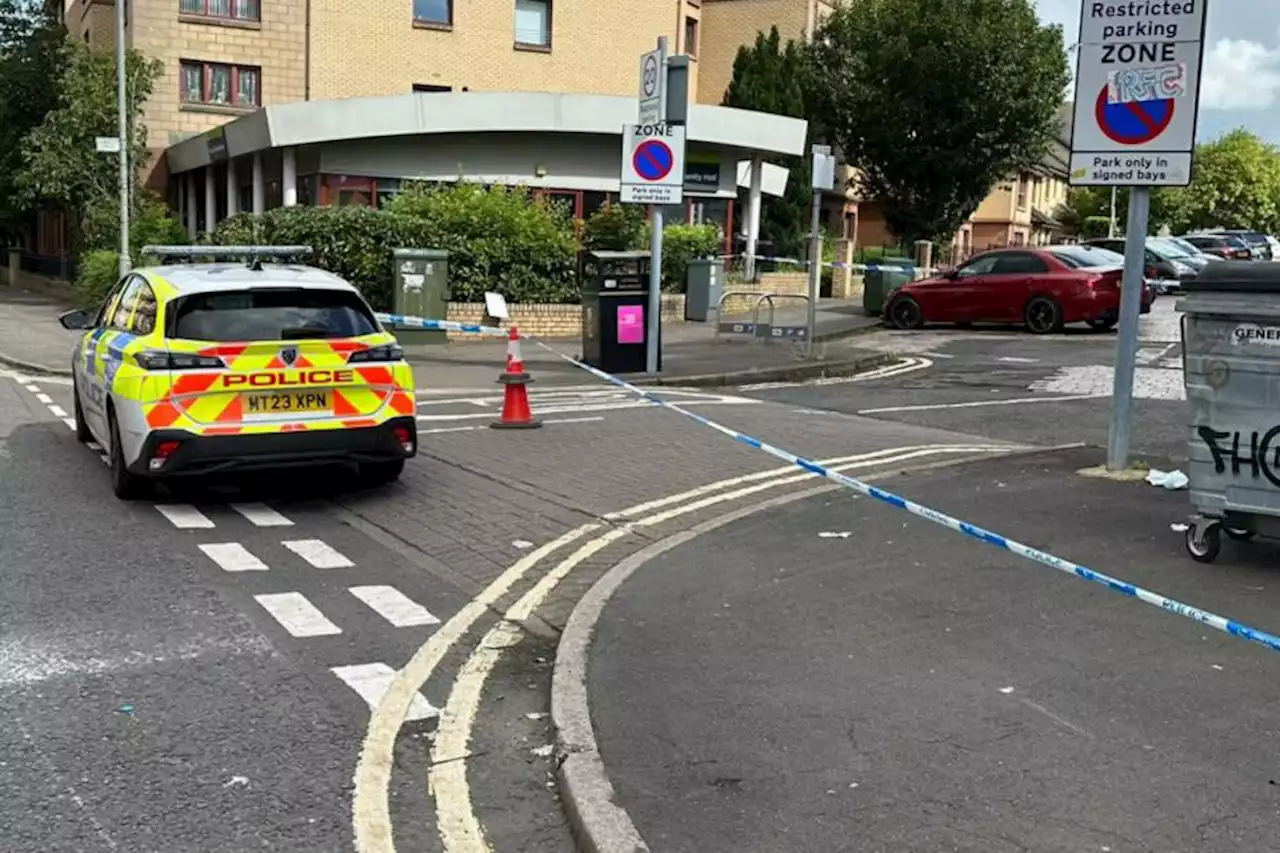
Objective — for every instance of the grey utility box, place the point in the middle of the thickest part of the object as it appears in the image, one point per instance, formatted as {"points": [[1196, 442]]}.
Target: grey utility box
{"points": [[421, 290], [704, 282], [1231, 367]]}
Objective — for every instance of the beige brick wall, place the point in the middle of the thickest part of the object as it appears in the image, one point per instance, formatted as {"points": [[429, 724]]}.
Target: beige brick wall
{"points": [[730, 24], [276, 45], [547, 321], [370, 47]]}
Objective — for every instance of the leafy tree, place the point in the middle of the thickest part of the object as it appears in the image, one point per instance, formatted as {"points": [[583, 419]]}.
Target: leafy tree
{"points": [[31, 56], [936, 102], [1235, 183], [59, 167], [768, 77]]}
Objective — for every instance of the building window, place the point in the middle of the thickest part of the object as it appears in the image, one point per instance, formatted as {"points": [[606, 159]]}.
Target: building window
{"points": [[232, 10], [691, 37], [1022, 192], [221, 85], [430, 87], [533, 23], [437, 12]]}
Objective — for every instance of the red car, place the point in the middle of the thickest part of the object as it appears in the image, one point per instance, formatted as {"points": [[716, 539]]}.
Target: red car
{"points": [[1044, 288]]}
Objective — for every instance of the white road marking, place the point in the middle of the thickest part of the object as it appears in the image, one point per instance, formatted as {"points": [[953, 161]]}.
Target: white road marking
{"points": [[394, 606], [297, 615], [261, 515], [44, 398], [233, 557], [372, 680], [977, 404], [909, 365], [185, 516], [370, 805], [93, 445], [438, 430], [70, 422], [60, 413], [458, 824], [1013, 359], [318, 554], [593, 407]]}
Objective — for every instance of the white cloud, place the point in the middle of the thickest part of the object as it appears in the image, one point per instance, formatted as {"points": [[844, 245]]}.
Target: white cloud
{"points": [[1240, 75]]}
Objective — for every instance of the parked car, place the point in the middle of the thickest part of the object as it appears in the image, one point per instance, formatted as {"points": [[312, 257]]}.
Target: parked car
{"points": [[1258, 244], [1226, 246], [1167, 264], [1275, 247], [1044, 287], [1192, 249]]}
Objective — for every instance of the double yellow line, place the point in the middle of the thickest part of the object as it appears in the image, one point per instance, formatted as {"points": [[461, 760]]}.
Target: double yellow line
{"points": [[459, 828]]}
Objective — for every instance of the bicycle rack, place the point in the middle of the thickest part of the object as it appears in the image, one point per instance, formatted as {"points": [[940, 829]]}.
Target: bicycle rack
{"points": [[768, 331], [730, 327]]}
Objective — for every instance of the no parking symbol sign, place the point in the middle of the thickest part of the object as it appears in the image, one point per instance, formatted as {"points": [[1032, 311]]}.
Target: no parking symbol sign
{"points": [[1137, 93], [653, 163]]}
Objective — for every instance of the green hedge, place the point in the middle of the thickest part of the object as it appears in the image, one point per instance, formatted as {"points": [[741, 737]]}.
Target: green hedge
{"points": [[681, 244], [96, 273], [498, 239], [616, 228], [352, 242]]}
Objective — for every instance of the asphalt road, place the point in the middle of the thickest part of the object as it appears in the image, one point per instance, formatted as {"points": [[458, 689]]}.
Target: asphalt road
{"points": [[769, 687], [199, 673], [1010, 385]]}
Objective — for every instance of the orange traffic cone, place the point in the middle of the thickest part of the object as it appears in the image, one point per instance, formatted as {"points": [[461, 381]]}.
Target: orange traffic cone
{"points": [[516, 413]]}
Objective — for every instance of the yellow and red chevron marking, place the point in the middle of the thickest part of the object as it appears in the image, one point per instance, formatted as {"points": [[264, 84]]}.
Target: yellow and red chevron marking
{"points": [[211, 402]]}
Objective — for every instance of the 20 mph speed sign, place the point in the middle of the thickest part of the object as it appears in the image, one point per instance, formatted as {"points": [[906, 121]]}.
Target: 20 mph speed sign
{"points": [[653, 163]]}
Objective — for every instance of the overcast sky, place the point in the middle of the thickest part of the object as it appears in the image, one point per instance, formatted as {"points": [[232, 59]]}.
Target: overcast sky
{"points": [[1241, 82]]}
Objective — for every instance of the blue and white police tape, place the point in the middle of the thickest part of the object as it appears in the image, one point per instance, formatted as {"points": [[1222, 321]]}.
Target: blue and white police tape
{"points": [[1205, 617], [407, 321], [841, 265]]}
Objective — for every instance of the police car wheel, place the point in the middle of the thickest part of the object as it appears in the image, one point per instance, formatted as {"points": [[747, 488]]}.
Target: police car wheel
{"points": [[126, 485], [82, 429], [381, 473]]}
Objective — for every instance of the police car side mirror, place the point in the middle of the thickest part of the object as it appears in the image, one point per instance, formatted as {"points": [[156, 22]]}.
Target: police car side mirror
{"points": [[74, 320]]}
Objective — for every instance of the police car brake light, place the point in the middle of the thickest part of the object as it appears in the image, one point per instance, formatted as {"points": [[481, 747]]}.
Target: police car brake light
{"points": [[385, 352], [153, 360]]}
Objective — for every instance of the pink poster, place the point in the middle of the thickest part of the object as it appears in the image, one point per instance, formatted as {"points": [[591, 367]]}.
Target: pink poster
{"points": [[630, 324]]}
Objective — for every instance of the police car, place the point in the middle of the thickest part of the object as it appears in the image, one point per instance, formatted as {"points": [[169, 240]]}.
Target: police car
{"points": [[201, 368]]}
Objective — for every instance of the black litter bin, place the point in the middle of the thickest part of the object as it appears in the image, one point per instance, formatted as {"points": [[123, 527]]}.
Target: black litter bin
{"points": [[615, 311]]}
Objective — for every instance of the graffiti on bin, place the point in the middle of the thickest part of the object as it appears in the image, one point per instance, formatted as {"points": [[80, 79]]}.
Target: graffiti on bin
{"points": [[1260, 453]]}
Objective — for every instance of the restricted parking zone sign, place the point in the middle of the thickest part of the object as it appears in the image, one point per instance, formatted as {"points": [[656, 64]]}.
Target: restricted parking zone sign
{"points": [[1137, 92], [653, 163]]}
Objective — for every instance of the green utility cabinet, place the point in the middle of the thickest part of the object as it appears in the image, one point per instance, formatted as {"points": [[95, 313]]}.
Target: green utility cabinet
{"points": [[421, 289], [879, 284]]}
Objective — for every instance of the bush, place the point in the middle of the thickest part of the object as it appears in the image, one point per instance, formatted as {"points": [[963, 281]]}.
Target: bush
{"points": [[355, 243], [498, 239], [97, 272], [616, 228], [683, 243]]}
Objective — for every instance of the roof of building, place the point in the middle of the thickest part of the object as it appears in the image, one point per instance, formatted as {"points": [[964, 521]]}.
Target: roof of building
{"points": [[428, 113]]}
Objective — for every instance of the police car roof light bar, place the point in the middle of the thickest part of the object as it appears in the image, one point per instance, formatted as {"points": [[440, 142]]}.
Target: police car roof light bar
{"points": [[252, 254]]}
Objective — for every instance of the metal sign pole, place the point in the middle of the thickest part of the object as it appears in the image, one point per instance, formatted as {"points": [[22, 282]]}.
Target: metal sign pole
{"points": [[815, 271], [655, 237], [1135, 247]]}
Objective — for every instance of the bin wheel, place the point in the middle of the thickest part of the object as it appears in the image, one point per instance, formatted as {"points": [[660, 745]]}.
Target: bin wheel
{"points": [[1239, 535], [1204, 545]]}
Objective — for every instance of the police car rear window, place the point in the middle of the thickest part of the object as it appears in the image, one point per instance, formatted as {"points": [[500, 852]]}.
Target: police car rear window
{"points": [[270, 314]]}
